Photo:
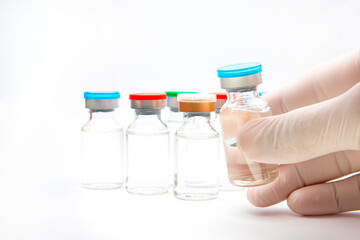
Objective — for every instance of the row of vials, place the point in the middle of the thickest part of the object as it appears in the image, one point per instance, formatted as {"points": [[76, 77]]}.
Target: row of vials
{"points": [[195, 150]]}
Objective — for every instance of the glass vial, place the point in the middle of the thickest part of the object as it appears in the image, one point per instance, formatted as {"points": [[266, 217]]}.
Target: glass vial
{"points": [[197, 144], [243, 105], [224, 183], [174, 121], [147, 146], [102, 143]]}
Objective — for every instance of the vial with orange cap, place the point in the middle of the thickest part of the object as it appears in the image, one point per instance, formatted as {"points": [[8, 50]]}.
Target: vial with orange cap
{"points": [[147, 146], [197, 149]]}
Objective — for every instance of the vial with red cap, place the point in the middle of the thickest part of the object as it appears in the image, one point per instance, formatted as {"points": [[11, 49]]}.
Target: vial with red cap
{"points": [[147, 146]]}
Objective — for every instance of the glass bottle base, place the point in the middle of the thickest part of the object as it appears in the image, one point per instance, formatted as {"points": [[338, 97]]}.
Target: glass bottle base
{"points": [[250, 180], [195, 196], [102, 186], [147, 190], [196, 193]]}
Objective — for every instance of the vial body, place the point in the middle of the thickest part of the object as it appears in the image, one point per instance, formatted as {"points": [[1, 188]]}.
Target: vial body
{"points": [[147, 154], [196, 165], [240, 108], [102, 152], [224, 183], [174, 122]]}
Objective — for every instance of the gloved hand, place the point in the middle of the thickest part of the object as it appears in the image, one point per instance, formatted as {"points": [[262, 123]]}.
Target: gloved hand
{"points": [[314, 134]]}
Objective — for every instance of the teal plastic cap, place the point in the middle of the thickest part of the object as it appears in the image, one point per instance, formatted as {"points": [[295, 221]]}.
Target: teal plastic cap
{"points": [[102, 95], [239, 70]]}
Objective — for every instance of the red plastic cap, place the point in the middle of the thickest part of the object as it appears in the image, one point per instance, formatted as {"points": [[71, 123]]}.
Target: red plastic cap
{"points": [[220, 95], [147, 96]]}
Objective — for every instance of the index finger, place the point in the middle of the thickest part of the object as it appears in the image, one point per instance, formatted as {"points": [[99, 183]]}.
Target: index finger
{"points": [[321, 83]]}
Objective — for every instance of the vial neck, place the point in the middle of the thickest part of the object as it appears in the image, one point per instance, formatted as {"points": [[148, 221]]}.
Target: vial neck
{"points": [[176, 115], [144, 114], [197, 118], [97, 114], [174, 110], [242, 94]]}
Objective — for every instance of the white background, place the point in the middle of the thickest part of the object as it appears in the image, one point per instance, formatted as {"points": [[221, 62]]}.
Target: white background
{"points": [[53, 51]]}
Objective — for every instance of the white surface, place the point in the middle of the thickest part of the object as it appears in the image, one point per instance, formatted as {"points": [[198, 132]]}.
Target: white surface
{"points": [[53, 50], [58, 211]]}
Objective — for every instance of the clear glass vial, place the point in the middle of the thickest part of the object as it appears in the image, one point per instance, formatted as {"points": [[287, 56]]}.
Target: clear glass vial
{"points": [[102, 143], [197, 144], [174, 121], [243, 105], [147, 146], [224, 183]]}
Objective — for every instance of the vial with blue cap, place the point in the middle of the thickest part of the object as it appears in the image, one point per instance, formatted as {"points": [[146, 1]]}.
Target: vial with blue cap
{"points": [[102, 143], [243, 104]]}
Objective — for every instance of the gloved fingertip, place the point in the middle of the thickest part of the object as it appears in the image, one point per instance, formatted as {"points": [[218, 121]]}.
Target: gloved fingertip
{"points": [[252, 140], [295, 203], [246, 140], [302, 203], [257, 198], [254, 198], [256, 140]]}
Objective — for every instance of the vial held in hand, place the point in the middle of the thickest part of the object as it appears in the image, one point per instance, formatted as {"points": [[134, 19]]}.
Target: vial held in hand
{"points": [[243, 105]]}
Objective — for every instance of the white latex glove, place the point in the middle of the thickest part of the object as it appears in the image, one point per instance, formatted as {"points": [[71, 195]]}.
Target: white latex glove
{"points": [[314, 134]]}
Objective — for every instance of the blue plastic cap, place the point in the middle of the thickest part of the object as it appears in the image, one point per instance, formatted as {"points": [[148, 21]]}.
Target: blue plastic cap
{"points": [[102, 95], [239, 70], [262, 93]]}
